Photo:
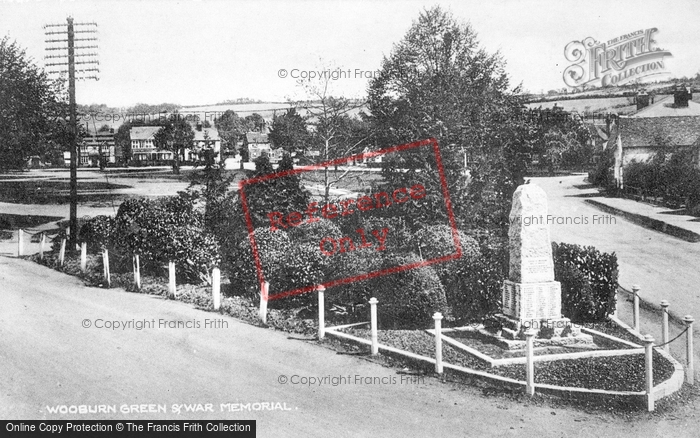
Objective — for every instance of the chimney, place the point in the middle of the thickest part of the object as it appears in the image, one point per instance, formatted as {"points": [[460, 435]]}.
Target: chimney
{"points": [[642, 100], [681, 96]]}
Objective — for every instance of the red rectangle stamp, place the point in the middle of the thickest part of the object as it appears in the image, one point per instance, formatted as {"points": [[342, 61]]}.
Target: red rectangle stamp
{"points": [[345, 207]]}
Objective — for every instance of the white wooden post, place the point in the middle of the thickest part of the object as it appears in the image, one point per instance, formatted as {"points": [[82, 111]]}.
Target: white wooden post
{"points": [[172, 286], [216, 288], [438, 342], [635, 291], [136, 262], [530, 364], [690, 368], [264, 290], [373, 324], [83, 257], [664, 325], [62, 253], [649, 370], [105, 264], [321, 312], [20, 238], [42, 244]]}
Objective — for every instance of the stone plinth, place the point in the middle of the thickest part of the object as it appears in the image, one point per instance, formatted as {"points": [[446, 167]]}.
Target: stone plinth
{"points": [[532, 301], [531, 298]]}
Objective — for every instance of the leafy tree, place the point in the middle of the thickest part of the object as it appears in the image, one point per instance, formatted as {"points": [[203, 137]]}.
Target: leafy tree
{"points": [[289, 132], [143, 108], [32, 111], [122, 138], [176, 135], [231, 128], [281, 194], [254, 122], [438, 83]]}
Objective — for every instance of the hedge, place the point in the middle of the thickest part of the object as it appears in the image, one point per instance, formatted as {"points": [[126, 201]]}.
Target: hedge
{"points": [[589, 281]]}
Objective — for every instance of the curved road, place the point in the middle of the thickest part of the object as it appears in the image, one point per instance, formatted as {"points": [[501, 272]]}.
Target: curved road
{"points": [[48, 359]]}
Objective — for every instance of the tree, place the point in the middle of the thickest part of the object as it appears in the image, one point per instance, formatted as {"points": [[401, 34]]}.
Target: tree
{"points": [[122, 139], [254, 122], [289, 132], [438, 83], [176, 135], [231, 127], [332, 130], [281, 194], [32, 111]]}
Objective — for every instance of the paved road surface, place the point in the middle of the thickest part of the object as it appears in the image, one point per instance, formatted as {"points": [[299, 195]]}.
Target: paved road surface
{"points": [[664, 266], [47, 358]]}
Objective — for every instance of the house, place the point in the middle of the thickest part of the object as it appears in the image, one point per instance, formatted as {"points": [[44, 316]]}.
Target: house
{"points": [[670, 123], [92, 147], [96, 145], [258, 143], [143, 147], [205, 138]]}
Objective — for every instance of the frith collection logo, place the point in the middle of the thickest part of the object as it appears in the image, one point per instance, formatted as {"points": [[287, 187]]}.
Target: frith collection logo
{"points": [[618, 61]]}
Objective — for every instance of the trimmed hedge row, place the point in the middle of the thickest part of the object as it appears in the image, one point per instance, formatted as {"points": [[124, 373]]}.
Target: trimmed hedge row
{"points": [[589, 281]]}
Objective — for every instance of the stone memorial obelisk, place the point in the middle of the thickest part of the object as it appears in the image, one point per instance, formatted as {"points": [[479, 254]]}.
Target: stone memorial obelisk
{"points": [[531, 297]]}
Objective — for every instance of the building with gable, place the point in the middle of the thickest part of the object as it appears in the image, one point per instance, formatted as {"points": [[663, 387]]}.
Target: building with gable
{"points": [[670, 123]]}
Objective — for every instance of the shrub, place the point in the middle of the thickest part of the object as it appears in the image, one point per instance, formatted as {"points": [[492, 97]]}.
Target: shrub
{"points": [[315, 231], [408, 299], [302, 267], [348, 265], [272, 246], [434, 241], [163, 230], [97, 232], [589, 281], [473, 291], [399, 237]]}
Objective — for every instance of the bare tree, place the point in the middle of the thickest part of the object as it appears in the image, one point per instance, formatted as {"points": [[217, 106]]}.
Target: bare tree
{"points": [[333, 122]]}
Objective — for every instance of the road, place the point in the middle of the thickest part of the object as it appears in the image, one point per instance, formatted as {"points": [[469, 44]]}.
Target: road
{"points": [[48, 358], [663, 266]]}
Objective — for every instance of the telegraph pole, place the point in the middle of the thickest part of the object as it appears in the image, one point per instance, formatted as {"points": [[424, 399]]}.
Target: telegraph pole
{"points": [[70, 56]]}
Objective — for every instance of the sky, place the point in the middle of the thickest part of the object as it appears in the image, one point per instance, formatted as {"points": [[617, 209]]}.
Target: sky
{"points": [[207, 51]]}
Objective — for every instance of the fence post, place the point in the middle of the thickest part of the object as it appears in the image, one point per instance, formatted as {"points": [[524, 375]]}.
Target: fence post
{"points": [[83, 257], [42, 243], [690, 368], [264, 290], [136, 263], [105, 264], [649, 370], [373, 324], [62, 252], [321, 312], [530, 363], [664, 325], [216, 288], [635, 291], [438, 342], [172, 286], [20, 248]]}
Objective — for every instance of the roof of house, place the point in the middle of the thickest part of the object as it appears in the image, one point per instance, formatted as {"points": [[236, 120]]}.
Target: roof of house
{"points": [[256, 137], [143, 132], [665, 108], [646, 132], [213, 134]]}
